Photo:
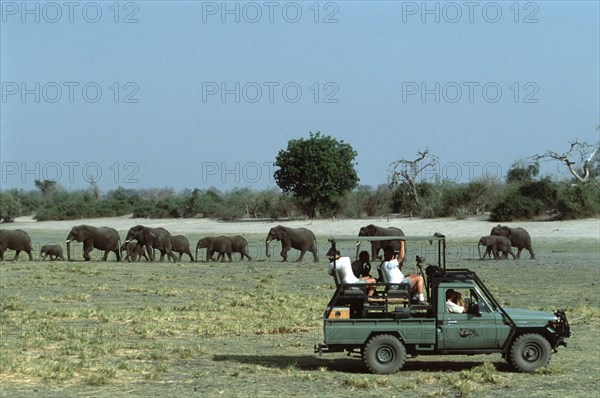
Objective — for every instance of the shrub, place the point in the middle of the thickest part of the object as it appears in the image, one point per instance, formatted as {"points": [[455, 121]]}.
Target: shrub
{"points": [[578, 201], [365, 201], [544, 190], [515, 206], [143, 209], [10, 207]]}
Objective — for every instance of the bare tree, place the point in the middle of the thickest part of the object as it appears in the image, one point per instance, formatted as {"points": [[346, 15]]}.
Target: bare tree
{"points": [[581, 159], [404, 174], [94, 189]]}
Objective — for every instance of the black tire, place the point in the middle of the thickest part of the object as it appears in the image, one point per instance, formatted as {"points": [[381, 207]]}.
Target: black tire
{"points": [[384, 354], [529, 352]]}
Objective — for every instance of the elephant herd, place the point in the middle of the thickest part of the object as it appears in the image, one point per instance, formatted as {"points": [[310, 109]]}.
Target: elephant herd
{"points": [[141, 242], [502, 239]]}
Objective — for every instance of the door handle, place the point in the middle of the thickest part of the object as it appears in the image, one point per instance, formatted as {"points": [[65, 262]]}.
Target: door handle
{"points": [[452, 322]]}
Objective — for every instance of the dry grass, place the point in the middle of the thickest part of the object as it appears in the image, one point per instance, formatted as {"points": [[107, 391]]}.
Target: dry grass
{"points": [[248, 328]]}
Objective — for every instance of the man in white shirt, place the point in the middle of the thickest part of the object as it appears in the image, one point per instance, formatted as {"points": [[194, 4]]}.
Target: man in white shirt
{"points": [[391, 267], [454, 302], [343, 266]]}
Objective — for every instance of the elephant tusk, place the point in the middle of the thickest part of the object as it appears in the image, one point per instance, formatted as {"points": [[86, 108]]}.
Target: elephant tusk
{"points": [[68, 241], [127, 241], [357, 242], [268, 241]]}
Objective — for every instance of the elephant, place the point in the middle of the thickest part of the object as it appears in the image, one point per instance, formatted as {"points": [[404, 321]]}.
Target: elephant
{"points": [[494, 245], [181, 245], [240, 245], [221, 244], [17, 240], [102, 238], [297, 238], [135, 251], [374, 230], [54, 251], [519, 238], [152, 238]]}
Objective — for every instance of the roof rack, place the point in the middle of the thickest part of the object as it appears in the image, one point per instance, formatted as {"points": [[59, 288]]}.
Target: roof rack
{"points": [[437, 237]]}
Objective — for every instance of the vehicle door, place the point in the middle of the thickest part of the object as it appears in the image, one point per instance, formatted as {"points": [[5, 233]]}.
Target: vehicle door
{"points": [[474, 329]]}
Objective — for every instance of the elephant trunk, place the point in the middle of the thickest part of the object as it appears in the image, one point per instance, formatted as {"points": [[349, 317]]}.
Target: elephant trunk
{"points": [[267, 248], [197, 248], [68, 249], [479, 250]]}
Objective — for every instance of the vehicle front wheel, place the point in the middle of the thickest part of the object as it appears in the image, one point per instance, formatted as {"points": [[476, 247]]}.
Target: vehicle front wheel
{"points": [[530, 352], [384, 354]]}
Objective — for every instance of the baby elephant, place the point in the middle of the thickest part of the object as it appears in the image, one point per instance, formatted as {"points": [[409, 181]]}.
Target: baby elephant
{"points": [[54, 251], [134, 251], [495, 244]]}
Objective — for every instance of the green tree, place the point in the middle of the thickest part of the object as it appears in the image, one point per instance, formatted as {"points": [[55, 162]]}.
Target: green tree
{"points": [[317, 171], [521, 172], [10, 208], [191, 204], [46, 186]]}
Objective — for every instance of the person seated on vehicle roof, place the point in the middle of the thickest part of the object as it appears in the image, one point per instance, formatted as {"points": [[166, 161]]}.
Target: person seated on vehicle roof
{"points": [[343, 266], [391, 268], [454, 302], [362, 266]]}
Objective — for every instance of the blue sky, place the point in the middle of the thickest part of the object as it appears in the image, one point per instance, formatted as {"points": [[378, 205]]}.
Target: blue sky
{"points": [[192, 94]]}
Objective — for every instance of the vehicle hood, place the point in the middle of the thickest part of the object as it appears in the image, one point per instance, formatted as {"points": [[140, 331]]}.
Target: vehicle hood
{"points": [[529, 317]]}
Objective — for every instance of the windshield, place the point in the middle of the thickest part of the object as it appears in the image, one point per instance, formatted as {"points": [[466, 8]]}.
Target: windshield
{"points": [[485, 303]]}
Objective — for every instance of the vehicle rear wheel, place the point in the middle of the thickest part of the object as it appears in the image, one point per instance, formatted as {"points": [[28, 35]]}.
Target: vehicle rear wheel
{"points": [[530, 352], [384, 354]]}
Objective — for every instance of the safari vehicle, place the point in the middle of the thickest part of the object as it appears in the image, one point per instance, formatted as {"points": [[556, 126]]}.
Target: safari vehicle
{"points": [[384, 328]]}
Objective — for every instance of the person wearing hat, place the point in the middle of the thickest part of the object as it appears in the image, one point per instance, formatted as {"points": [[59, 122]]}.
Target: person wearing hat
{"points": [[454, 302], [343, 266], [391, 267]]}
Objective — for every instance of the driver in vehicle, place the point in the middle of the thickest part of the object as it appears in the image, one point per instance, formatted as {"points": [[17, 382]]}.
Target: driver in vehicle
{"points": [[454, 302]]}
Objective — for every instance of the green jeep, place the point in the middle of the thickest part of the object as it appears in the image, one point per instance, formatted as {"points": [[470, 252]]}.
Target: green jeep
{"points": [[387, 326]]}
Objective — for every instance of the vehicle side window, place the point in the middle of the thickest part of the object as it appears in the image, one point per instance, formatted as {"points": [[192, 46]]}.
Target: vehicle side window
{"points": [[477, 299]]}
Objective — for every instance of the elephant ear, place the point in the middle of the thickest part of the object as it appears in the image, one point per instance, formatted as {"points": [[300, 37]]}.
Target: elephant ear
{"points": [[507, 230], [146, 235], [85, 233], [281, 232], [372, 229], [72, 233]]}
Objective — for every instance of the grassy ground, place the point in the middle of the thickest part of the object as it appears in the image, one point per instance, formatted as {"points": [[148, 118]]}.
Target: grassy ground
{"points": [[248, 329]]}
